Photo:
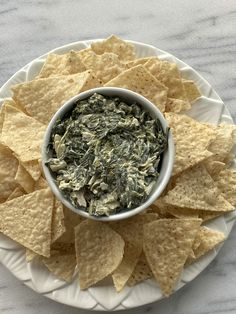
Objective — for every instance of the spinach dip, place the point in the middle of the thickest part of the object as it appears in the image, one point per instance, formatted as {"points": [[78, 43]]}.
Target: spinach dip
{"points": [[106, 154]]}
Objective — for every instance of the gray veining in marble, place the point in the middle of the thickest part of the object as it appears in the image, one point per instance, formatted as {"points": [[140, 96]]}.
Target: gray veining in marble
{"points": [[201, 33]]}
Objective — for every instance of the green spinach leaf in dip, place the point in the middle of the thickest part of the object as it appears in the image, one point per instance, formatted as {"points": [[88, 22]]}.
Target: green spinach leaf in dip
{"points": [[106, 154]]}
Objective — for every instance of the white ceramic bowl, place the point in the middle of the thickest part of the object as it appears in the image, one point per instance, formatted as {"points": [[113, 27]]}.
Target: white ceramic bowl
{"points": [[166, 165]]}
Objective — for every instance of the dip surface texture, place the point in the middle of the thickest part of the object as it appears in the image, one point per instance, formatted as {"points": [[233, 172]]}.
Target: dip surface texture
{"points": [[106, 154]]}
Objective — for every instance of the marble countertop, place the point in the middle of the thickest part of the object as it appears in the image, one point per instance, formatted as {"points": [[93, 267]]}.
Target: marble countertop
{"points": [[201, 33]]}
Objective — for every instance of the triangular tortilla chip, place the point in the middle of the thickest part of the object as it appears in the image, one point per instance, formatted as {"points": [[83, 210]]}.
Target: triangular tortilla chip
{"points": [[167, 244], [177, 105], [169, 75], [139, 80], [138, 61], [190, 144], [191, 90], [27, 220], [22, 134], [71, 220], [114, 44], [141, 272], [131, 230], [65, 64], [53, 91], [226, 183], [105, 66], [222, 145], [8, 169], [34, 168], [206, 239], [197, 190], [61, 265], [99, 251], [24, 179]]}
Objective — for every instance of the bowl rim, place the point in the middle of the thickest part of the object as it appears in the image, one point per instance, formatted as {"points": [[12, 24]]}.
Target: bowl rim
{"points": [[121, 93]]}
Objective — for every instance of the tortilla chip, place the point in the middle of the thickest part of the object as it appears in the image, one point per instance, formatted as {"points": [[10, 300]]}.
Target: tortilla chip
{"points": [[160, 210], [167, 244], [62, 266], [113, 44], [206, 215], [105, 66], [132, 233], [33, 167], [226, 183], [65, 64], [191, 90], [40, 184], [24, 179], [8, 169], [16, 193], [139, 80], [22, 134], [11, 102], [99, 251], [213, 167], [27, 220], [53, 91], [175, 211], [71, 220], [190, 144], [141, 272], [224, 142], [58, 225], [177, 105], [206, 239], [138, 61], [169, 75], [197, 190]]}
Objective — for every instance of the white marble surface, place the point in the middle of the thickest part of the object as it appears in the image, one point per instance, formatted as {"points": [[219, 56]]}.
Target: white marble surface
{"points": [[201, 33]]}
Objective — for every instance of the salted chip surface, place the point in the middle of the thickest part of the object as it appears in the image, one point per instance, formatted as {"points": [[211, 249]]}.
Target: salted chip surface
{"points": [[105, 66], [65, 64], [226, 183], [214, 167], [27, 220], [99, 251], [61, 265], [191, 90], [141, 272], [22, 134], [191, 140], [58, 225], [177, 105], [8, 169], [131, 230], [169, 74], [139, 80], [177, 212], [114, 44], [196, 189], [206, 239], [41, 98], [167, 244], [24, 179]]}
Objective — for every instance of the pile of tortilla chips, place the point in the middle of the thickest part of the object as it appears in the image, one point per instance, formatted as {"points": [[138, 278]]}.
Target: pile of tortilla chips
{"points": [[158, 243]]}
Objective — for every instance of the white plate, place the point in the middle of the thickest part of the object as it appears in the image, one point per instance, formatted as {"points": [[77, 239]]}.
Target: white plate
{"points": [[208, 108]]}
